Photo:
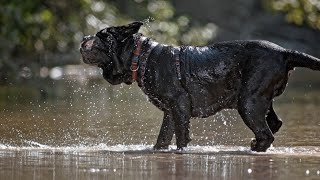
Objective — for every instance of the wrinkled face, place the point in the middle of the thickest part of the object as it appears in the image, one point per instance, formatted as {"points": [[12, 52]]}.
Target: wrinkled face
{"points": [[96, 52], [105, 48]]}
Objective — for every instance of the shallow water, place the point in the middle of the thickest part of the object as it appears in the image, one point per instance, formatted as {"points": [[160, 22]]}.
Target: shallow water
{"points": [[95, 131], [141, 162]]}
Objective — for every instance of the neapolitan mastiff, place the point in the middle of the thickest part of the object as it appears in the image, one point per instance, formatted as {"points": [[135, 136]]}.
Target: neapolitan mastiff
{"points": [[190, 81]]}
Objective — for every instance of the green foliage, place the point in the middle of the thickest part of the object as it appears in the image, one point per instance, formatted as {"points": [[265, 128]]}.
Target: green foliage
{"points": [[299, 12], [34, 26], [163, 24], [31, 29]]}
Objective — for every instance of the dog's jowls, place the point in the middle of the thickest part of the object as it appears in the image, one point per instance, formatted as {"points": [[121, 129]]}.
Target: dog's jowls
{"points": [[242, 75]]}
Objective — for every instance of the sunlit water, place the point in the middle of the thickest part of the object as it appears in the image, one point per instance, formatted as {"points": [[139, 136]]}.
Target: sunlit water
{"points": [[91, 130]]}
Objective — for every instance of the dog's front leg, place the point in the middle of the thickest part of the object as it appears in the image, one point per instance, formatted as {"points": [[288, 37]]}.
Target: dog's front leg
{"points": [[166, 131], [181, 111]]}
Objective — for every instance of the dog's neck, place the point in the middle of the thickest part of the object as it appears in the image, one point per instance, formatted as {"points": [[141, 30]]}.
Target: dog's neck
{"points": [[137, 52], [141, 52]]}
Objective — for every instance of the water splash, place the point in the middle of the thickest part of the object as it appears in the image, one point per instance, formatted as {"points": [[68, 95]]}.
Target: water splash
{"points": [[148, 21], [36, 144], [145, 149]]}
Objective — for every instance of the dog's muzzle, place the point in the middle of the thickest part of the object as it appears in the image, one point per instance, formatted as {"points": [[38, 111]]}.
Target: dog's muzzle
{"points": [[87, 50], [87, 43]]}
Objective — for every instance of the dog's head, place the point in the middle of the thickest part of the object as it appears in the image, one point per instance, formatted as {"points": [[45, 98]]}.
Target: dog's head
{"points": [[108, 49]]}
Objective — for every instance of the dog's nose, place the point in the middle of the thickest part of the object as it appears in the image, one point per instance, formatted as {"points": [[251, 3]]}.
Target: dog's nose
{"points": [[87, 37], [84, 38]]}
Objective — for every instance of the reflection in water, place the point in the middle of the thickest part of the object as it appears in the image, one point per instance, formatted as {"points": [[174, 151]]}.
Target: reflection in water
{"points": [[57, 164], [95, 131]]}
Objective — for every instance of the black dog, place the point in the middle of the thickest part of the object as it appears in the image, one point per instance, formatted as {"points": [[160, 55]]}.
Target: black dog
{"points": [[190, 81]]}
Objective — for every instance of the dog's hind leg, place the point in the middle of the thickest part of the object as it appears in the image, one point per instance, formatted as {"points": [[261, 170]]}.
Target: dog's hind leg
{"points": [[260, 79], [253, 111], [273, 120], [166, 131]]}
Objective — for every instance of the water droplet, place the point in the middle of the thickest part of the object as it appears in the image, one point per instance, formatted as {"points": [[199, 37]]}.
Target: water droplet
{"points": [[307, 172]]}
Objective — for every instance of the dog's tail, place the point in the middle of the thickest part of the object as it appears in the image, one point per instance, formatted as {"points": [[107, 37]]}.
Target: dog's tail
{"points": [[299, 59]]}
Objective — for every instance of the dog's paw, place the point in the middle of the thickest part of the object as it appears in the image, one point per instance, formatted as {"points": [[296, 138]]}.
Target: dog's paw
{"points": [[260, 146], [160, 147], [180, 148], [253, 144]]}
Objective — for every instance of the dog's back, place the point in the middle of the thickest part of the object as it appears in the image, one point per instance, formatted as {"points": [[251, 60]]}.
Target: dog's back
{"points": [[216, 74]]}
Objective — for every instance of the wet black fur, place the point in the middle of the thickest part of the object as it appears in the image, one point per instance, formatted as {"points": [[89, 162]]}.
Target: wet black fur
{"points": [[242, 75]]}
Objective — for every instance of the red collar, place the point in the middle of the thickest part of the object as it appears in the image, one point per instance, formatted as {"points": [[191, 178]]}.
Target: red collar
{"points": [[136, 54], [140, 58], [143, 57]]}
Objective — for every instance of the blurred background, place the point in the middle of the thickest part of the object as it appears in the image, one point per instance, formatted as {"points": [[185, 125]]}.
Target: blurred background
{"points": [[48, 96]]}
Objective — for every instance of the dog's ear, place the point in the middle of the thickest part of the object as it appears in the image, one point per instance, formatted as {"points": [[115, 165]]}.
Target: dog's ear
{"points": [[122, 32]]}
